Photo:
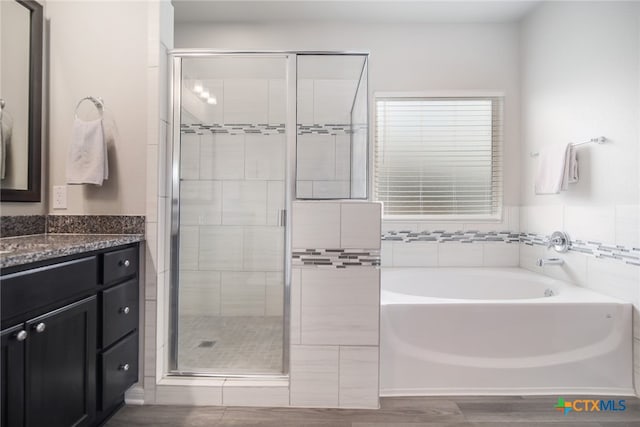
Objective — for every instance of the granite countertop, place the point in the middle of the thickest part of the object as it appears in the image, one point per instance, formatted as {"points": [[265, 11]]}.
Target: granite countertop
{"points": [[38, 247]]}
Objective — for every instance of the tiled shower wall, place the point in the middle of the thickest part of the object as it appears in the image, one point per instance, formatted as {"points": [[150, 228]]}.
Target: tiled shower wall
{"points": [[231, 194], [324, 137], [334, 310], [231, 246]]}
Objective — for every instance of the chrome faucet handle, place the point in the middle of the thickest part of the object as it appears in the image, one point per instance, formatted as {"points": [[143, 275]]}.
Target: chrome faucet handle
{"points": [[559, 241]]}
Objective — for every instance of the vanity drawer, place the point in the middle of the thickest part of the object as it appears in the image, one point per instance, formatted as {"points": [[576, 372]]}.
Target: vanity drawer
{"points": [[119, 311], [120, 265], [26, 291], [118, 369]]}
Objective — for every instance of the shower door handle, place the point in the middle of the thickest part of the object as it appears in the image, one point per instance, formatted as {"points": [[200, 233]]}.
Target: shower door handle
{"points": [[282, 218]]}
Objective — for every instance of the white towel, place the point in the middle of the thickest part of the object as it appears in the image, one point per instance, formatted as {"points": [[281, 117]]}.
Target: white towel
{"points": [[87, 161], [571, 167], [552, 166]]}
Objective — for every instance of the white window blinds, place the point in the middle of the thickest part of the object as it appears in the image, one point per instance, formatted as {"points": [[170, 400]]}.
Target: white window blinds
{"points": [[439, 156]]}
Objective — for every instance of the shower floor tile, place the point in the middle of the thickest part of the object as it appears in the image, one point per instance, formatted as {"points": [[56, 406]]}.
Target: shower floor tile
{"points": [[230, 345]]}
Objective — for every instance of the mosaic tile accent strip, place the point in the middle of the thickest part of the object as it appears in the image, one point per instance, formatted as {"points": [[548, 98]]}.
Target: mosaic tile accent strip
{"points": [[597, 249], [628, 255], [442, 236], [95, 224], [338, 258], [264, 129], [22, 225]]}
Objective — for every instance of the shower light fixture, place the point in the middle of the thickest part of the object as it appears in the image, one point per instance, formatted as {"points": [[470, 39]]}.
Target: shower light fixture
{"points": [[204, 94], [197, 87], [212, 100]]}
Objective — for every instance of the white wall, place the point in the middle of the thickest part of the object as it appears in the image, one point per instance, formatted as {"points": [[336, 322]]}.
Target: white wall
{"points": [[403, 58], [99, 48], [581, 79]]}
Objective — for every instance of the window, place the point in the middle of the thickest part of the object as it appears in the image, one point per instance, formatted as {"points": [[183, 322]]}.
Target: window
{"points": [[439, 157]]}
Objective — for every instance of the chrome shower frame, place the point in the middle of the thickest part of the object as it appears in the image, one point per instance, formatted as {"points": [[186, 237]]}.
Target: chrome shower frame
{"points": [[175, 97]]}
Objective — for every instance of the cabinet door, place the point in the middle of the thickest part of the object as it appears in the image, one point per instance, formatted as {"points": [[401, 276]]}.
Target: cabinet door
{"points": [[61, 367], [12, 376]]}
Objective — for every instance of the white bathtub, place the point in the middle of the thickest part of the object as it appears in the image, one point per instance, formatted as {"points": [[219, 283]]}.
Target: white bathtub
{"points": [[493, 331]]}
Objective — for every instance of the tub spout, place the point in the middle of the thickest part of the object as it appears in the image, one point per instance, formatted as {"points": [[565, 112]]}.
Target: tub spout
{"points": [[549, 261]]}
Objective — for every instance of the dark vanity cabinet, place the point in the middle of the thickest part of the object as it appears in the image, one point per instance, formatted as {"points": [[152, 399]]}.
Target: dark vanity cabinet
{"points": [[69, 338]]}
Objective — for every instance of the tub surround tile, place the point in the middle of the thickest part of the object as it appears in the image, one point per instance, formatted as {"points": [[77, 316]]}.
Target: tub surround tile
{"points": [[443, 236], [499, 255], [624, 254], [580, 221], [574, 269], [613, 278], [529, 254], [460, 255], [40, 247], [417, 254], [386, 254], [401, 253], [22, 225]]}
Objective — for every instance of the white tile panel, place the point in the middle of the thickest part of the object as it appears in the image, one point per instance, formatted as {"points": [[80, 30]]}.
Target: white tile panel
{"points": [[340, 306], [220, 248], [460, 254], [264, 157], [221, 156], [314, 376], [244, 202], [316, 225], [360, 225], [359, 377]]}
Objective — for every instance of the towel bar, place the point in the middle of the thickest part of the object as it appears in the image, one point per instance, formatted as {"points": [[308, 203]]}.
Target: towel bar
{"points": [[97, 101], [598, 140]]}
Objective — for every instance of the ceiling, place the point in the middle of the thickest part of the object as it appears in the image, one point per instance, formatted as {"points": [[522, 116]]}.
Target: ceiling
{"points": [[359, 11]]}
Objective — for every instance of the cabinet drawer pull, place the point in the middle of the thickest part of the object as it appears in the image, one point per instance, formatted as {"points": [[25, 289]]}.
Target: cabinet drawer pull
{"points": [[124, 367], [124, 310], [22, 335], [40, 327], [125, 263]]}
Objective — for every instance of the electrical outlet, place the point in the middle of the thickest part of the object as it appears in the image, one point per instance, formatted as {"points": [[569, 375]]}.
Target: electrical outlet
{"points": [[59, 197]]}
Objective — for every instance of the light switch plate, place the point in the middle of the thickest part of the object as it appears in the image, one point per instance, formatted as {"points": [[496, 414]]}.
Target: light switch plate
{"points": [[59, 197]]}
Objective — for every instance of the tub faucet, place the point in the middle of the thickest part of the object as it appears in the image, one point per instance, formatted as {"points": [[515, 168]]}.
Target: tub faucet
{"points": [[549, 261]]}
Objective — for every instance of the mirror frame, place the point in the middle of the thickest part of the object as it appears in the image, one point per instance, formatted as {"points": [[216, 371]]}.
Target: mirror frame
{"points": [[33, 191]]}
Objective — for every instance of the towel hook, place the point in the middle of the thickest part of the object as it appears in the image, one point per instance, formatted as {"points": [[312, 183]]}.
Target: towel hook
{"points": [[97, 101]]}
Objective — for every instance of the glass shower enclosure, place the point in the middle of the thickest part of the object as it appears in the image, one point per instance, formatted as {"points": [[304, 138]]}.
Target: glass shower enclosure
{"points": [[235, 132]]}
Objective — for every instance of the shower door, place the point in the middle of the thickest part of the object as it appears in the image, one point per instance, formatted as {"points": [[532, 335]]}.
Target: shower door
{"points": [[230, 195]]}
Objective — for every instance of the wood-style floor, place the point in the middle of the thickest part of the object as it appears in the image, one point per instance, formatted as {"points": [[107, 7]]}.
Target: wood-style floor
{"points": [[394, 412]]}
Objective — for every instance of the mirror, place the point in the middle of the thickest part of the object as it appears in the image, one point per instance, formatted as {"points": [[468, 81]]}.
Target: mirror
{"points": [[20, 100]]}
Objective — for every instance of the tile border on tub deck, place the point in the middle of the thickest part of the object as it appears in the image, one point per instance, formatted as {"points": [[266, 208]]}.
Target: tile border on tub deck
{"points": [[338, 258], [628, 255], [625, 254], [442, 236]]}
